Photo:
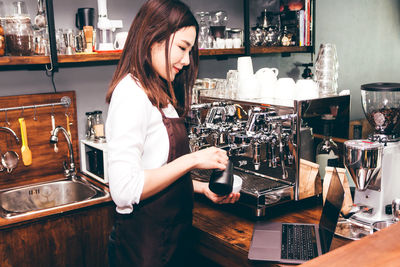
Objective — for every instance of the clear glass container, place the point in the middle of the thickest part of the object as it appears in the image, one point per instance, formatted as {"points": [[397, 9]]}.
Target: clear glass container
{"points": [[218, 21], [381, 105], [19, 36], [98, 126], [203, 18], [327, 153], [89, 126], [19, 32]]}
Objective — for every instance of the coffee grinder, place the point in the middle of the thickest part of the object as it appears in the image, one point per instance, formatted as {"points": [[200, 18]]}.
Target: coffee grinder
{"points": [[374, 163]]}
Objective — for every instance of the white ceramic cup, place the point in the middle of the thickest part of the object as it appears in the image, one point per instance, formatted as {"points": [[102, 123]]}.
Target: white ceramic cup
{"points": [[228, 43], [248, 87], [306, 89], [220, 43], [237, 42], [120, 39], [285, 88], [267, 78], [245, 66]]}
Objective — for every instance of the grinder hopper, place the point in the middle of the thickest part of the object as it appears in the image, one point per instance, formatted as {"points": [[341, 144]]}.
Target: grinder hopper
{"points": [[363, 161]]}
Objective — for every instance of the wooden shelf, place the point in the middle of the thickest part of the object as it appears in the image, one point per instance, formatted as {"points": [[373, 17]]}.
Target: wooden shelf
{"points": [[280, 49], [28, 60], [89, 57], [115, 56], [218, 52]]}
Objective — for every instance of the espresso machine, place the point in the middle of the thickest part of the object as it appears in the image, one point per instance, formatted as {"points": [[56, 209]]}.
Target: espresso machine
{"points": [[270, 143], [374, 163]]}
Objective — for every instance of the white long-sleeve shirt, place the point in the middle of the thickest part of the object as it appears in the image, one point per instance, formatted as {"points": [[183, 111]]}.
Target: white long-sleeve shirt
{"points": [[136, 140]]}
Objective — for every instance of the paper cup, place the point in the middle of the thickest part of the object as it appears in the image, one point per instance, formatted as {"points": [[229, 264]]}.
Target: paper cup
{"points": [[237, 183]]}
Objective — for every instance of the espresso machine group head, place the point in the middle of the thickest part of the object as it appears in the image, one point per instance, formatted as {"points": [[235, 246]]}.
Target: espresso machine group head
{"points": [[373, 163]]}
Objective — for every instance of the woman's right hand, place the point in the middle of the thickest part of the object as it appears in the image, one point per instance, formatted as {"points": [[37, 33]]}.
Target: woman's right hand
{"points": [[210, 158]]}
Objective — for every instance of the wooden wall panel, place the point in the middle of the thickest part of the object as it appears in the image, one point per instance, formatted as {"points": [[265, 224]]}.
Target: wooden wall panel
{"points": [[46, 164]]}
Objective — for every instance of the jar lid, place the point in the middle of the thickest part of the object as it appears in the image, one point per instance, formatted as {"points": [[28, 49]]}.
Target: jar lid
{"points": [[89, 113], [235, 30], [381, 86], [97, 112]]}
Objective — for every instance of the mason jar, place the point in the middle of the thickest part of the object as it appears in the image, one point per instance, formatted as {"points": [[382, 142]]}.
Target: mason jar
{"points": [[19, 36]]}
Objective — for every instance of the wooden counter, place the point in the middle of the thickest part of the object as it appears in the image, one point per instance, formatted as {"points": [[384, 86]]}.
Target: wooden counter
{"points": [[380, 249], [223, 235]]}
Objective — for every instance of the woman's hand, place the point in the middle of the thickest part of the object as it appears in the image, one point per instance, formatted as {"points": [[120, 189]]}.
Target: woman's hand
{"points": [[210, 158], [231, 198], [202, 188]]}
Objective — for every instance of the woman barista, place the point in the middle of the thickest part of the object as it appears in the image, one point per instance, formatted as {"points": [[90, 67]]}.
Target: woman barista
{"points": [[148, 151]]}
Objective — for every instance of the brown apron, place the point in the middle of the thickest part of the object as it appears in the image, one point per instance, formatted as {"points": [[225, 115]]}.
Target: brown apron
{"points": [[156, 232]]}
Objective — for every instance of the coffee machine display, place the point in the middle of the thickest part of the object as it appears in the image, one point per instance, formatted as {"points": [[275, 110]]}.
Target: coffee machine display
{"points": [[269, 144], [374, 163]]}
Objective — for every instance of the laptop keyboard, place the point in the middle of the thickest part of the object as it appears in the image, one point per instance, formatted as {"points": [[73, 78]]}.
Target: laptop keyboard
{"points": [[298, 242]]}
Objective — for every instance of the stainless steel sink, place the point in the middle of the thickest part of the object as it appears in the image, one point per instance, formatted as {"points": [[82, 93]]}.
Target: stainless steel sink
{"points": [[38, 197]]}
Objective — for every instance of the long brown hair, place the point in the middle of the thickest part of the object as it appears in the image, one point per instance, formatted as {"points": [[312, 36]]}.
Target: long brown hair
{"points": [[155, 22]]}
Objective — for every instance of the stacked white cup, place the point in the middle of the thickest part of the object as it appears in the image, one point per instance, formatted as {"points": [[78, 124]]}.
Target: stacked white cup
{"points": [[247, 81], [306, 89]]}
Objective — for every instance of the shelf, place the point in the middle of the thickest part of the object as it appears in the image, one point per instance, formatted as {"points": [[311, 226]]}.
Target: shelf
{"points": [[28, 60], [280, 49], [89, 57], [218, 52], [115, 56]]}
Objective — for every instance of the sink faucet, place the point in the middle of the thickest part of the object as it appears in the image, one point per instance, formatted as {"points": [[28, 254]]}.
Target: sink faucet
{"points": [[69, 172], [9, 130]]}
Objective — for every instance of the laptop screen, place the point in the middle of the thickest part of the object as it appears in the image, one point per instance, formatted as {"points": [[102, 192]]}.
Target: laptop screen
{"points": [[330, 211]]}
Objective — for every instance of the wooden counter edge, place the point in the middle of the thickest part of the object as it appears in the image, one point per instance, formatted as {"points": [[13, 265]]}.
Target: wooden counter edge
{"points": [[379, 249]]}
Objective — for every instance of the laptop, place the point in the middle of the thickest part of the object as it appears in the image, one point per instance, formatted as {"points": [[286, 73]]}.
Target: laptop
{"points": [[297, 242]]}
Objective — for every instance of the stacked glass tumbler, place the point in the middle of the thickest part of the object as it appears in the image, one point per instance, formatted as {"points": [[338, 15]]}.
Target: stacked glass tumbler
{"points": [[326, 70]]}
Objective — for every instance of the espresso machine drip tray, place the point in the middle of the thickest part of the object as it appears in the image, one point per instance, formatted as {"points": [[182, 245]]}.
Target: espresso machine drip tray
{"points": [[258, 191]]}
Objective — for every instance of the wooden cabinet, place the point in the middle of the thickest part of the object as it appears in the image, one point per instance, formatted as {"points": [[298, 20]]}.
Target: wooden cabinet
{"points": [[101, 57], [77, 238]]}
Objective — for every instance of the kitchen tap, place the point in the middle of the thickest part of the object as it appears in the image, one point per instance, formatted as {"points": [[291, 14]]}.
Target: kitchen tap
{"points": [[9, 130], [69, 172]]}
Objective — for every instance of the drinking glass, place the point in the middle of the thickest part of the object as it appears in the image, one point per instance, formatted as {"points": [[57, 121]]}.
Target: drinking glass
{"points": [[203, 18], [2, 13], [326, 70], [232, 83], [20, 9]]}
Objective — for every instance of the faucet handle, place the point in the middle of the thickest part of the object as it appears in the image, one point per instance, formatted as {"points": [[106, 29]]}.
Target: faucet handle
{"points": [[66, 169]]}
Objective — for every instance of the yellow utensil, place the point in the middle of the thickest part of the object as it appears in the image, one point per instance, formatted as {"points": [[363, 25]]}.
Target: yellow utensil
{"points": [[68, 126], [25, 151]]}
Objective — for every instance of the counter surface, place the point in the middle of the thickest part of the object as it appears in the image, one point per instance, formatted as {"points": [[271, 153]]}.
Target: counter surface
{"points": [[224, 236]]}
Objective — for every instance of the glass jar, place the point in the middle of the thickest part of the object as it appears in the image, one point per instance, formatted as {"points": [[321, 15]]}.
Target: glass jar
{"points": [[19, 36], [98, 126], [89, 126], [203, 18], [218, 21]]}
